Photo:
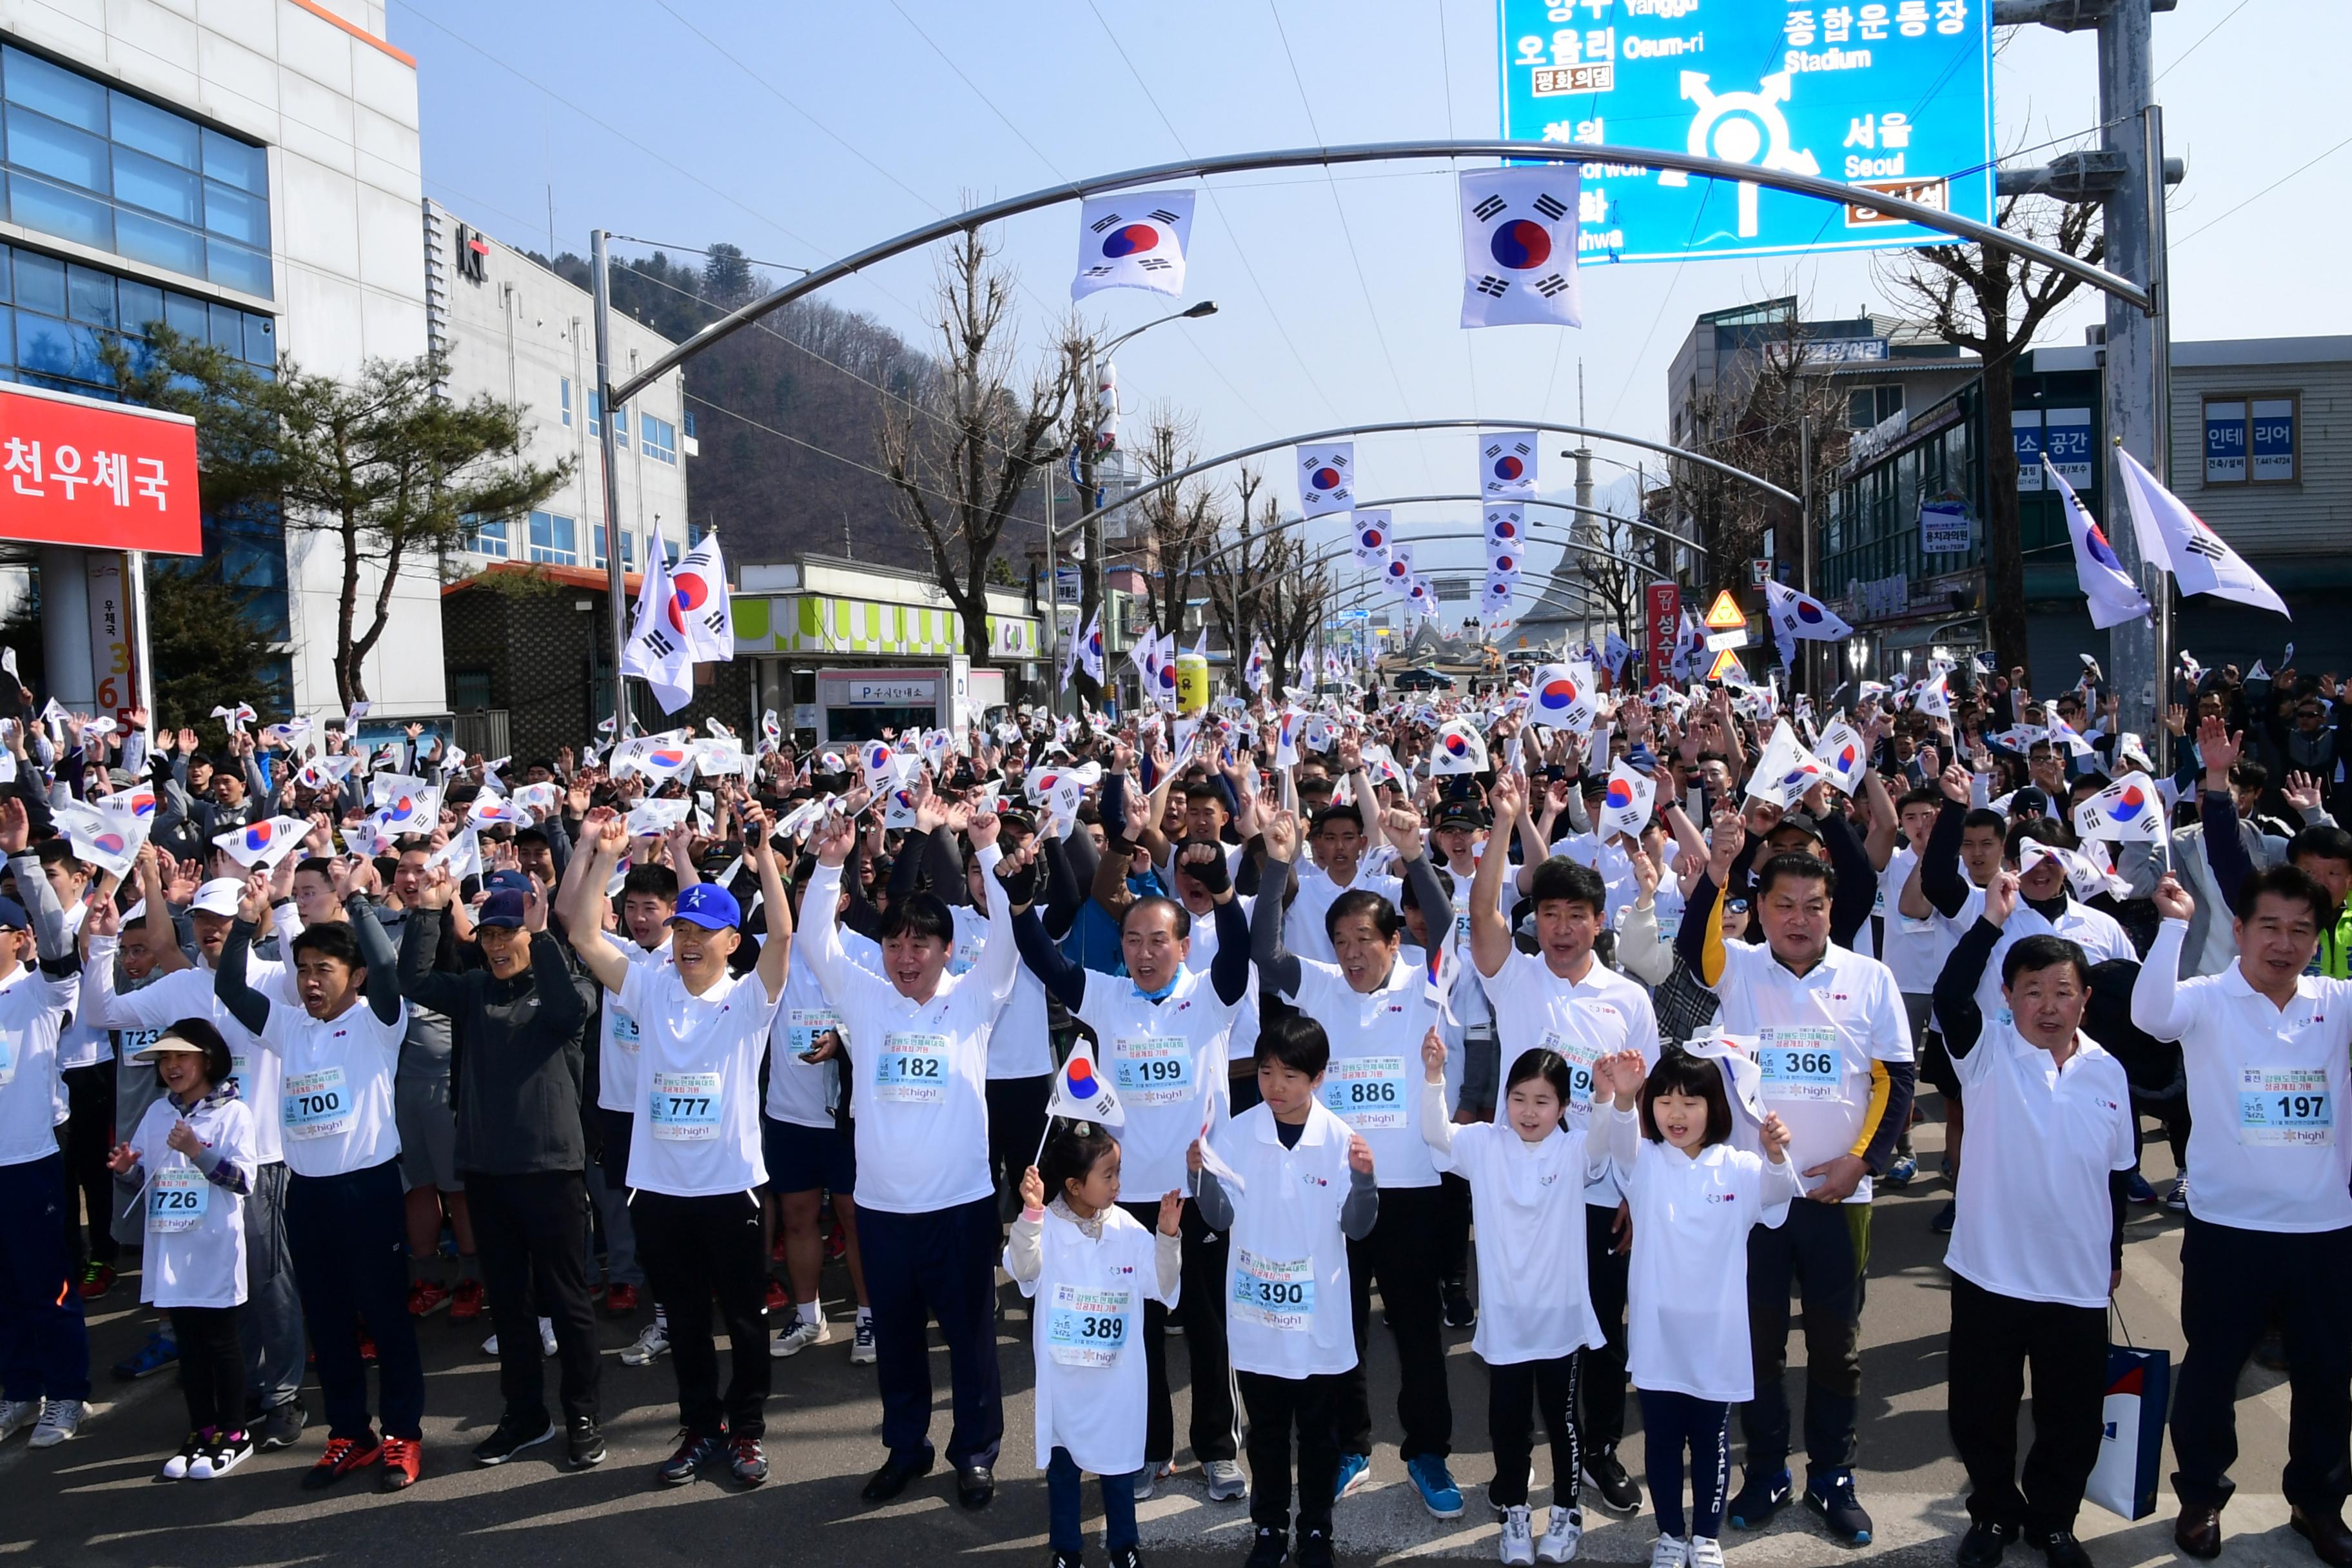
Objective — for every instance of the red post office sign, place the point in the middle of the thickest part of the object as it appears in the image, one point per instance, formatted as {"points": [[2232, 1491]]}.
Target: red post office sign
{"points": [[103, 476]]}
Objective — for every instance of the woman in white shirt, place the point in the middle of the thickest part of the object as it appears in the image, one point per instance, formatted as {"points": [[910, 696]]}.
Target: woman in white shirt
{"points": [[1695, 1198]]}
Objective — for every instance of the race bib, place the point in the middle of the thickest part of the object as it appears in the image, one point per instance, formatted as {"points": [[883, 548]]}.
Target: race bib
{"points": [[237, 1065], [178, 1199], [1152, 1069], [2286, 1107], [1801, 1064], [685, 1107], [1670, 925], [804, 1024], [1579, 1056], [966, 955], [7, 1060], [624, 1028], [911, 1070], [1366, 1092], [316, 1104], [1272, 1293], [1087, 1327]]}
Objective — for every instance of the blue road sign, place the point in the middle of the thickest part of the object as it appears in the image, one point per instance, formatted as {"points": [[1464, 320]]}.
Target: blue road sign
{"points": [[1893, 97]]}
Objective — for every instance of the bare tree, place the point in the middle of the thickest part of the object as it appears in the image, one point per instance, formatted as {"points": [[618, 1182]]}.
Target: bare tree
{"points": [[960, 461], [1262, 586], [1994, 301], [1181, 522]]}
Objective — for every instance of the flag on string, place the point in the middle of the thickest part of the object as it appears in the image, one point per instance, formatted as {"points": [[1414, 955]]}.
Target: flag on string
{"points": [[1370, 540], [1135, 239], [1507, 464], [1518, 247], [1506, 528], [1326, 477]]}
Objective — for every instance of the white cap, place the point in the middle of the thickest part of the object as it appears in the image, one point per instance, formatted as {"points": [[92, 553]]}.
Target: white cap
{"points": [[218, 897]]}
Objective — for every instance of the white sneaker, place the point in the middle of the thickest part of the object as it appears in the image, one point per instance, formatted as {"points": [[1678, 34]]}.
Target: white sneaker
{"points": [[798, 1338], [1226, 1482], [60, 1419], [176, 1467], [1704, 1553], [1561, 1539], [1518, 1545], [1671, 1552], [17, 1415], [861, 1349], [652, 1344], [547, 1337], [490, 1345]]}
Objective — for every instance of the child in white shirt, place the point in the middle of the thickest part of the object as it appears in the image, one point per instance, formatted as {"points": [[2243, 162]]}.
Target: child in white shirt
{"points": [[1090, 1267], [1695, 1198]]}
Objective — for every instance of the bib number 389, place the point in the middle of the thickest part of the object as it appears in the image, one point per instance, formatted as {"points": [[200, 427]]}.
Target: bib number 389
{"points": [[1087, 1327]]}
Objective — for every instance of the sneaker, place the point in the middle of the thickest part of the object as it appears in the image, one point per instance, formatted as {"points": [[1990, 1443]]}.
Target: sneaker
{"points": [[1606, 1476], [97, 1280], [1832, 1497], [1068, 1560], [748, 1461], [1944, 1217], [1706, 1554], [1314, 1548], [1762, 1496], [1270, 1550], [160, 1352], [281, 1425], [1901, 1174], [1459, 1312], [1439, 1495], [2270, 1350], [2176, 1200], [587, 1442], [2137, 1190], [777, 1301], [861, 1349], [1671, 1552], [343, 1455], [798, 1338], [1982, 1546], [512, 1435], [1226, 1482], [61, 1420], [403, 1459], [1518, 1541], [1566, 1533], [466, 1301], [1355, 1475], [367, 1348], [652, 1344], [1153, 1472], [17, 1415], [693, 1453], [175, 1469], [1123, 1557], [222, 1455], [427, 1297], [621, 1301]]}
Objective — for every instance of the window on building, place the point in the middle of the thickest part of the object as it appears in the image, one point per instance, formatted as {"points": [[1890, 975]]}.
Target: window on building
{"points": [[486, 538], [470, 690], [658, 438], [1869, 405], [685, 418], [554, 538], [2253, 440], [565, 384], [596, 413], [628, 546]]}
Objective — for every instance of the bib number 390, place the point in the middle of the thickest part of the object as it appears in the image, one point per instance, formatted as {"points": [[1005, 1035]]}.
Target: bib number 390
{"points": [[1272, 1293]]}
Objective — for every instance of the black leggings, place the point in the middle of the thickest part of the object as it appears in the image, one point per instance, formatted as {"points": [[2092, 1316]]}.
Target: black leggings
{"points": [[211, 1367], [1516, 1392], [1669, 1423]]}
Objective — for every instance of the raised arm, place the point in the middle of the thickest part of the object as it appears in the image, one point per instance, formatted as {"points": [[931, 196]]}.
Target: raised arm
{"points": [[2159, 1005], [760, 848], [1277, 966], [383, 988], [999, 954], [246, 1005], [583, 925], [1941, 878], [420, 940], [1886, 824], [1958, 1015], [1490, 929], [1063, 980]]}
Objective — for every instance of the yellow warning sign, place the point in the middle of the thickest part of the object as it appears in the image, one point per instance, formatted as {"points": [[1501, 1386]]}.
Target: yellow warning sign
{"points": [[1724, 613], [1728, 669]]}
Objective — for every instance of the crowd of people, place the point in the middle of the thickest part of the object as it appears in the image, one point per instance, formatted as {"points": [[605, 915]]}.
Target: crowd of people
{"points": [[1593, 1035]]}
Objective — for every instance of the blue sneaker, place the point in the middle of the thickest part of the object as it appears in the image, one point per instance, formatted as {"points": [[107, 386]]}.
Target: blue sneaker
{"points": [[1900, 1172], [1439, 1495], [1832, 1497], [1356, 1474], [1946, 1217], [1760, 1498], [160, 1352], [2137, 1189]]}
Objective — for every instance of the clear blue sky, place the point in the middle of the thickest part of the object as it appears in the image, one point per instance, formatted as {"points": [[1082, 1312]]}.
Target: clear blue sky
{"points": [[801, 132]]}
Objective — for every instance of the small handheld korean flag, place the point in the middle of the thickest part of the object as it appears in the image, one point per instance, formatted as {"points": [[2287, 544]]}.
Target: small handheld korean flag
{"points": [[1507, 464], [1082, 1094], [1625, 807], [1841, 753], [263, 843], [97, 838], [1326, 477], [2128, 811], [2114, 598], [1785, 770], [1559, 697], [1370, 543], [1459, 749], [1136, 240], [1518, 248]]}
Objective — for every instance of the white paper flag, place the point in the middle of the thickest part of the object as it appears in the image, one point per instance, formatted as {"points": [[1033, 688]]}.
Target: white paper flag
{"points": [[2128, 811], [1560, 696], [263, 843], [1840, 752], [1785, 770], [1459, 749], [97, 836]]}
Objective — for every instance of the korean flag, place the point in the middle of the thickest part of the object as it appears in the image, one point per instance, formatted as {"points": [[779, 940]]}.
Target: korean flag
{"points": [[1136, 240], [1506, 530], [1327, 478], [1370, 542], [1518, 248], [1499, 593], [1507, 464]]}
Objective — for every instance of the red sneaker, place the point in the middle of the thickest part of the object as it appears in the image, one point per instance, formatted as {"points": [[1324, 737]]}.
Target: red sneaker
{"points": [[97, 1280], [621, 1301], [403, 1459], [777, 1300], [836, 1244], [367, 1346], [343, 1455], [466, 1304], [776, 1247], [426, 1298]]}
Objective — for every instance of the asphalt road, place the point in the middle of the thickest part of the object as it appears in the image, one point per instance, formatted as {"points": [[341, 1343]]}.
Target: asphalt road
{"points": [[94, 1502]]}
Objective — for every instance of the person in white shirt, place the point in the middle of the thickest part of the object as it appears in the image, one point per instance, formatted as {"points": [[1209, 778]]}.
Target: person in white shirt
{"points": [[648, 901], [1697, 1202], [1374, 1008], [1833, 1047], [86, 1071], [1564, 999], [1335, 839], [346, 1224], [919, 1049], [1091, 1267], [2265, 1047], [694, 1160], [192, 1155], [1456, 839], [1304, 1189]]}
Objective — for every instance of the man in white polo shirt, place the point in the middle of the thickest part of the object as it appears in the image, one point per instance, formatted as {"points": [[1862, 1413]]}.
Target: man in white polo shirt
{"points": [[2265, 1047]]}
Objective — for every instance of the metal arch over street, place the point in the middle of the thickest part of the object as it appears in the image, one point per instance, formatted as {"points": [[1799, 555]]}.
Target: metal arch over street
{"points": [[1943, 222], [1291, 522], [1548, 536]]}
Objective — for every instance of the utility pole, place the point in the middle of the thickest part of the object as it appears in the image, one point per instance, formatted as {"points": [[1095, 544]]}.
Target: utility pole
{"points": [[615, 589], [1582, 453]]}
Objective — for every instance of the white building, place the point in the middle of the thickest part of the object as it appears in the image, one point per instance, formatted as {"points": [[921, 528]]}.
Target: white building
{"points": [[516, 331]]}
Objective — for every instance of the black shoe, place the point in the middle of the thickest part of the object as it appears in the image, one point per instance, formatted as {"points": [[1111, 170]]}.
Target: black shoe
{"points": [[1830, 1496], [587, 1442], [1068, 1560], [1459, 1312], [1126, 1557], [2060, 1549], [976, 1484], [2270, 1350], [1764, 1494], [1981, 1547], [894, 1476], [281, 1425], [1946, 1217], [513, 1434], [694, 1451], [748, 1461], [1607, 1477], [1314, 1548], [1271, 1550]]}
